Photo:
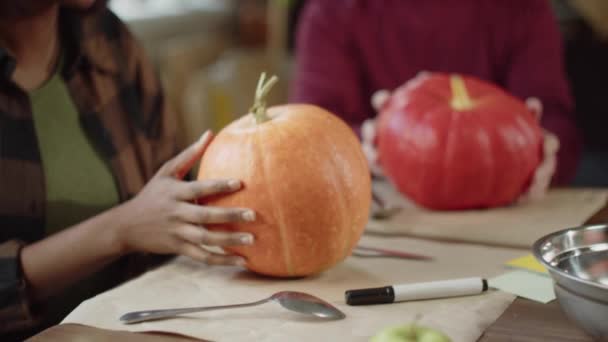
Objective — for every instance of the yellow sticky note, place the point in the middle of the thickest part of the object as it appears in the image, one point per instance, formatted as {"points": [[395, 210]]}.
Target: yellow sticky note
{"points": [[528, 263]]}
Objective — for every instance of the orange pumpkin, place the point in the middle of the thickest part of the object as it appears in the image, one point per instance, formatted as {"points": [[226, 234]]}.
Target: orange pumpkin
{"points": [[306, 177]]}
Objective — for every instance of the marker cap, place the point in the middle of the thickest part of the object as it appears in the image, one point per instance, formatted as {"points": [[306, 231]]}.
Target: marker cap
{"points": [[376, 295]]}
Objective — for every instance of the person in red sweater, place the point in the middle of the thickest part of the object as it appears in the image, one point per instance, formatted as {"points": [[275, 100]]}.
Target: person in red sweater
{"points": [[347, 50]]}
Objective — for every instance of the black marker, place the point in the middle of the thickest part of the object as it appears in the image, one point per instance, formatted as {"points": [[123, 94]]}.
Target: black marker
{"points": [[417, 291]]}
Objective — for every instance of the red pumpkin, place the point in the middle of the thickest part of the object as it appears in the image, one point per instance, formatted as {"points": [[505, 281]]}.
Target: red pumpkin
{"points": [[307, 179], [453, 142]]}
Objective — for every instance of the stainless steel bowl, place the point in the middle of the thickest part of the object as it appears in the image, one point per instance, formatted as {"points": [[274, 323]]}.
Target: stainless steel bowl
{"points": [[577, 259]]}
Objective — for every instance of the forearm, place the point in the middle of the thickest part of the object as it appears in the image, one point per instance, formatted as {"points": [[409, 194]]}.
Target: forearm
{"points": [[60, 260]]}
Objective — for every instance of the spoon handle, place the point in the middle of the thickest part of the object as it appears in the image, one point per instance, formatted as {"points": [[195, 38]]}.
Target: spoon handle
{"points": [[148, 315]]}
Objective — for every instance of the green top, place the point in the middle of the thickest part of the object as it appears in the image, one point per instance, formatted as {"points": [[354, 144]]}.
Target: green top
{"points": [[79, 183]]}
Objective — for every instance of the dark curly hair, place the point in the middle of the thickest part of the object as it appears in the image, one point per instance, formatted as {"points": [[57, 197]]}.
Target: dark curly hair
{"points": [[28, 8]]}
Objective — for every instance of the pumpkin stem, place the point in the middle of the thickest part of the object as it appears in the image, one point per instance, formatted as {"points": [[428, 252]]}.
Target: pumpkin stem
{"points": [[259, 104], [460, 96]]}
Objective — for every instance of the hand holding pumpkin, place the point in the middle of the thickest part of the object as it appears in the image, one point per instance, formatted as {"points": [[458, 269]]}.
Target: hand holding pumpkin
{"points": [[545, 171], [305, 176], [542, 175], [164, 219]]}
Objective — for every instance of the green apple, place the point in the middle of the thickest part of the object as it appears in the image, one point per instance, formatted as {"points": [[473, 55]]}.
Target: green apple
{"points": [[409, 333]]}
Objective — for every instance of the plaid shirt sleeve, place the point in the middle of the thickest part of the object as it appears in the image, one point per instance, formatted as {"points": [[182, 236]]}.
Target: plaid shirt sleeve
{"points": [[164, 146], [15, 313]]}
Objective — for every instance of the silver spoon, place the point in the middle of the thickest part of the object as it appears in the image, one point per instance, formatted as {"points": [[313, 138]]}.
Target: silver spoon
{"points": [[294, 301]]}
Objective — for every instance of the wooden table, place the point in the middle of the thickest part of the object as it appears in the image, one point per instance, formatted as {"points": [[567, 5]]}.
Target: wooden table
{"points": [[524, 320]]}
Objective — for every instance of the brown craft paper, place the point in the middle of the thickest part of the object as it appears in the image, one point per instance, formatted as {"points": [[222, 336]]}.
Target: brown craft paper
{"points": [[518, 225], [184, 283]]}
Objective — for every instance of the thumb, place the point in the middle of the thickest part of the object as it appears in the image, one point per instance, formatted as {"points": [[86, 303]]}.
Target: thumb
{"points": [[181, 164], [379, 99], [535, 106]]}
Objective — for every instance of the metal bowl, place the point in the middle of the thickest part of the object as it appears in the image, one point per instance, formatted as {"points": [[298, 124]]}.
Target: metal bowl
{"points": [[577, 259]]}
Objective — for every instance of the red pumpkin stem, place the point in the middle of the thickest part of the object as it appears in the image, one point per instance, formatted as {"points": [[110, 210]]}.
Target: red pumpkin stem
{"points": [[460, 96], [259, 104]]}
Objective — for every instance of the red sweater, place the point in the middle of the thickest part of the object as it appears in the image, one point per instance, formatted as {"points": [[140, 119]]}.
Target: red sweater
{"points": [[348, 49]]}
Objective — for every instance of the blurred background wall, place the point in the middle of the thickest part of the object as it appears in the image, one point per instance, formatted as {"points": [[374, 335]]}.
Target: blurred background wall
{"points": [[210, 54]]}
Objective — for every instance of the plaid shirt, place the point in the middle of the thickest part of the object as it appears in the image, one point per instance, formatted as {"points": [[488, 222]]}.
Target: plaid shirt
{"points": [[122, 111]]}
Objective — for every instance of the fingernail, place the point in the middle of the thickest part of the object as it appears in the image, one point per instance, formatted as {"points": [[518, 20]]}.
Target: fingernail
{"points": [[246, 239], [234, 184], [204, 137], [248, 215], [241, 262]]}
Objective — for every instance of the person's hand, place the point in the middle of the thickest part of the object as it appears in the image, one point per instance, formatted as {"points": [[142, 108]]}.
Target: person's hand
{"points": [[368, 134], [541, 180], [164, 219]]}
